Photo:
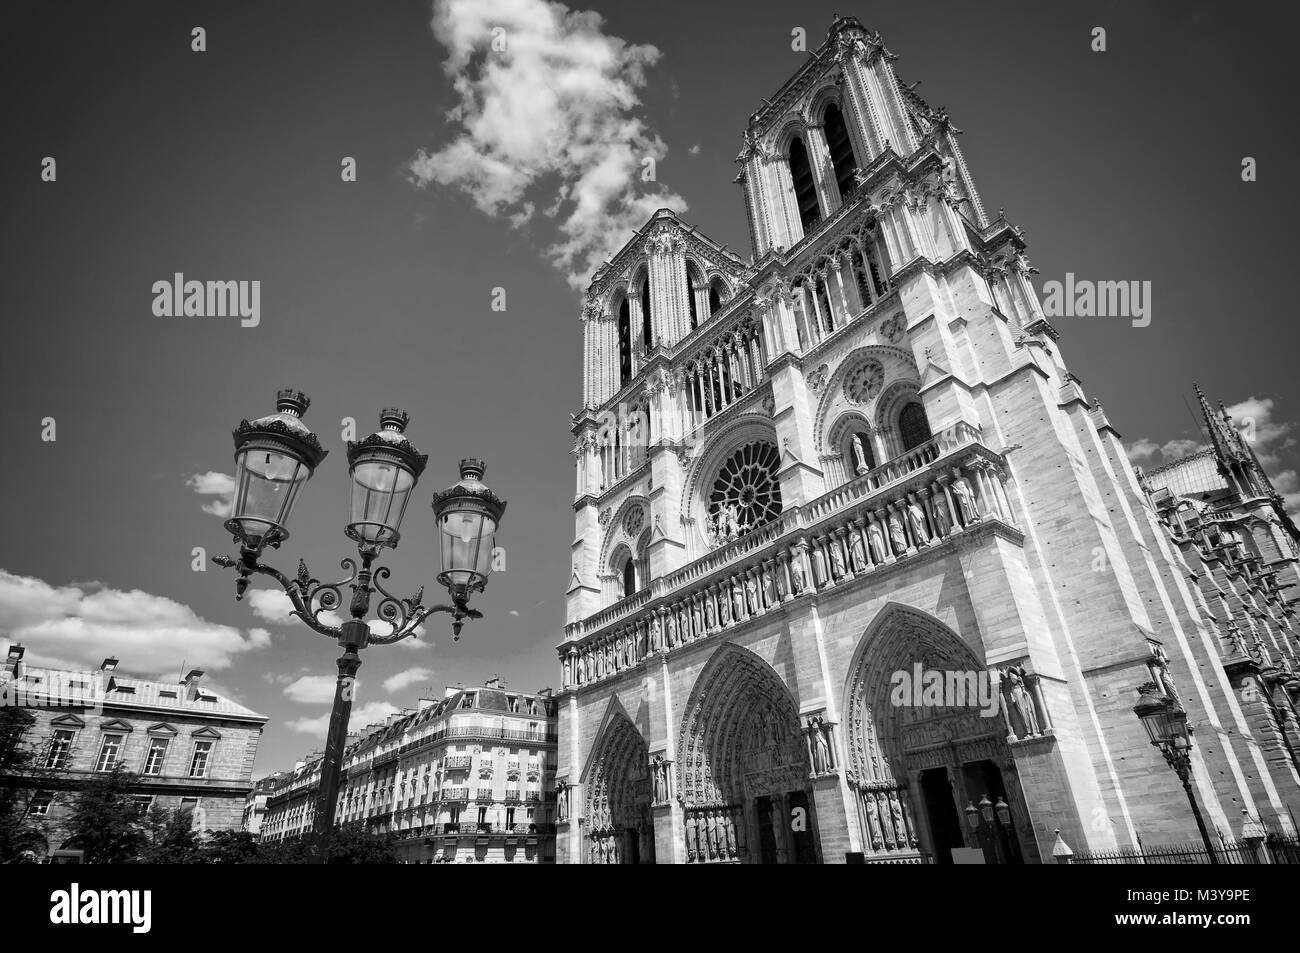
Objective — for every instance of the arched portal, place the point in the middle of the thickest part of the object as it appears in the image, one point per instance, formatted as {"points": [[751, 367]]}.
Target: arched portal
{"points": [[744, 766], [927, 748], [619, 828]]}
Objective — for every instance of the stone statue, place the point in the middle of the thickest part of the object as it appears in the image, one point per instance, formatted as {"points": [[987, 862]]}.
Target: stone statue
{"points": [[837, 558], [657, 776], [734, 528], [876, 540], [916, 520], [857, 554], [769, 586], [820, 746], [873, 820], [896, 812], [1021, 701], [670, 629], [656, 633], [751, 594], [1163, 677], [708, 612], [738, 595], [797, 580], [696, 618], [897, 535], [724, 606], [859, 456], [941, 524], [562, 801], [965, 496]]}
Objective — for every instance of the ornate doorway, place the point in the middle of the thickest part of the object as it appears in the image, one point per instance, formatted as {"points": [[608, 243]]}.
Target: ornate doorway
{"points": [[618, 828], [744, 765], [931, 765]]}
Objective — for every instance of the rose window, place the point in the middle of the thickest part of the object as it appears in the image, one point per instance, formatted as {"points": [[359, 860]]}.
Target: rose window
{"points": [[746, 493], [864, 383], [634, 520]]}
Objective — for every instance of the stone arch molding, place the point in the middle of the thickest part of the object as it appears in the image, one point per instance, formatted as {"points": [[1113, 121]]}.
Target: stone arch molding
{"points": [[740, 733], [615, 765], [899, 368], [616, 533], [807, 111], [878, 733]]}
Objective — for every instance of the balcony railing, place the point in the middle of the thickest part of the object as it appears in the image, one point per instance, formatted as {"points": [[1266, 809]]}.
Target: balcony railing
{"points": [[948, 486], [458, 763], [483, 794], [512, 794], [455, 794]]}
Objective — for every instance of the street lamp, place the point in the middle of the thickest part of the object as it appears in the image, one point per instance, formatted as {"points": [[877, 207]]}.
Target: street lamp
{"points": [[1166, 724], [274, 457]]}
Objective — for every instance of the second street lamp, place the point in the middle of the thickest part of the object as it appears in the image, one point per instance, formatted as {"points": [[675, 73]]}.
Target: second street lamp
{"points": [[274, 457]]}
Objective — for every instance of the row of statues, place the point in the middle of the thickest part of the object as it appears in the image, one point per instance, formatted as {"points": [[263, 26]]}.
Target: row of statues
{"points": [[889, 819], [711, 834], [875, 537]]}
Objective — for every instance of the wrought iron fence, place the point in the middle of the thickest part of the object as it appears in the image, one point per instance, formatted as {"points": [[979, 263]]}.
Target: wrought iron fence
{"points": [[1274, 849]]}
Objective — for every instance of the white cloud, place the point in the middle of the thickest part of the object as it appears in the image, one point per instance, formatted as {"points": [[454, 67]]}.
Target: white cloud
{"points": [[1144, 450], [557, 109], [272, 605], [1254, 420], [79, 625], [694, 150], [361, 716], [313, 689], [407, 678], [514, 612], [212, 483]]}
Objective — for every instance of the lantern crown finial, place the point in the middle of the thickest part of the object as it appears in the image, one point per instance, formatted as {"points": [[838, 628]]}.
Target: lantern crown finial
{"points": [[290, 400], [390, 418], [472, 468]]}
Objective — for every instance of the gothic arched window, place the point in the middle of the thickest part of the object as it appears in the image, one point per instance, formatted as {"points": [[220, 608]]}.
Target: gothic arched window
{"points": [[690, 300], [629, 577], [647, 337], [841, 150], [715, 297], [624, 344], [805, 190], [747, 489], [913, 426]]}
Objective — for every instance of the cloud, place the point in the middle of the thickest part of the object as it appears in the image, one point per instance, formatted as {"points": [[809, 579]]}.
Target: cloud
{"points": [[552, 120], [1144, 450], [272, 605], [212, 483], [362, 715], [1267, 436], [514, 612], [313, 689], [694, 150], [412, 676], [80, 625]]}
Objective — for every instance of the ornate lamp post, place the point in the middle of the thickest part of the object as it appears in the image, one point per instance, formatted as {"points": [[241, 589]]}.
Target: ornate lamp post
{"points": [[1166, 725], [274, 456]]}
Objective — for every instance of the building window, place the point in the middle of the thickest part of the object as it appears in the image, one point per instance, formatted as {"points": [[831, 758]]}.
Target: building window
{"points": [[624, 344], [153, 761], [199, 763], [647, 335], [913, 427], [189, 805], [39, 805], [629, 577], [109, 750], [60, 748], [690, 301], [139, 804], [805, 191], [841, 150]]}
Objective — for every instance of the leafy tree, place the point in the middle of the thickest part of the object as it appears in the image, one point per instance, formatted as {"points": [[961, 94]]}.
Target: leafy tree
{"points": [[105, 822], [352, 844], [19, 831], [231, 847], [169, 837]]}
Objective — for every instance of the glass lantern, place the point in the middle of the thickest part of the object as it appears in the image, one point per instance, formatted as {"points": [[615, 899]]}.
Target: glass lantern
{"points": [[274, 456], [384, 468], [468, 515]]}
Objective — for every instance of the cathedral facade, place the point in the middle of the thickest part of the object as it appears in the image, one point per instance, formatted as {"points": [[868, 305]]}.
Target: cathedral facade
{"points": [[860, 572]]}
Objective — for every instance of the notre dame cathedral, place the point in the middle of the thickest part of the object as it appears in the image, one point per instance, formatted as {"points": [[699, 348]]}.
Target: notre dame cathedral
{"points": [[859, 457]]}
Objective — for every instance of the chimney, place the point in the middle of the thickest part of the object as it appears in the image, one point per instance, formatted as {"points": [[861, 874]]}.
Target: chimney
{"points": [[108, 665], [423, 703], [493, 682], [192, 683], [14, 663]]}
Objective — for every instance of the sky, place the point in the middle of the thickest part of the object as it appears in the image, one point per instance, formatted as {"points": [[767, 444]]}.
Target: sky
{"points": [[489, 177]]}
